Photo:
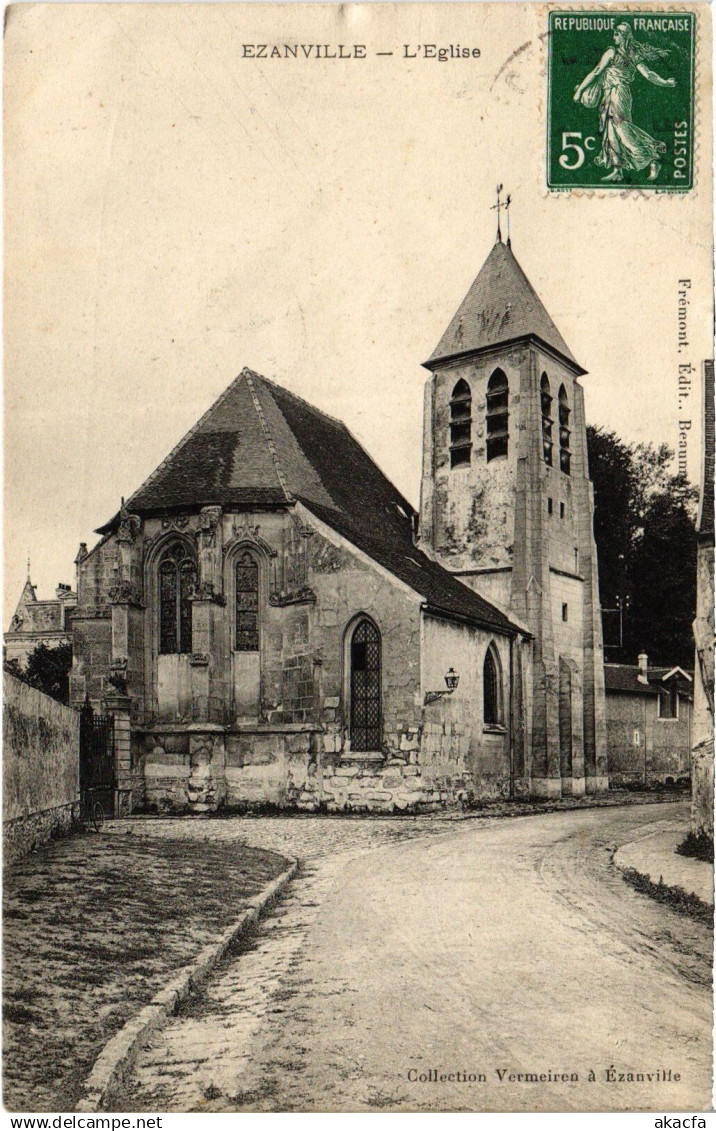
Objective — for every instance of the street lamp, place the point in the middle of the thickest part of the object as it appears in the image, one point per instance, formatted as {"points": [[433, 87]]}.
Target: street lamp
{"points": [[451, 681]]}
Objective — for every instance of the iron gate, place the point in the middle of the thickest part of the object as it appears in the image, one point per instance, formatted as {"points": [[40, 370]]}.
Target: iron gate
{"points": [[97, 778]]}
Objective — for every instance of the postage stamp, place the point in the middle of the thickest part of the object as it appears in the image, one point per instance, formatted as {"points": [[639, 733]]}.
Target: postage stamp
{"points": [[621, 100]]}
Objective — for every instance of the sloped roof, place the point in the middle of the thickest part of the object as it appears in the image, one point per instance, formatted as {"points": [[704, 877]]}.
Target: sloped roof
{"points": [[261, 446], [624, 678], [501, 306], [28, 595], [706, 507]]}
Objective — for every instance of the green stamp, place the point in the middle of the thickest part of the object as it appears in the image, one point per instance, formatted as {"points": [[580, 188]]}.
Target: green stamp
{"points": [[621, 99]]}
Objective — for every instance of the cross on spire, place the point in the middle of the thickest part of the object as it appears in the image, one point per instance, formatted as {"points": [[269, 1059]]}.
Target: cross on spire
{"points": [[498, 207]]}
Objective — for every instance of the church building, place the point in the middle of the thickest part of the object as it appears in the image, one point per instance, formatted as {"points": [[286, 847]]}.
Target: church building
{"points": [[271, 622]]}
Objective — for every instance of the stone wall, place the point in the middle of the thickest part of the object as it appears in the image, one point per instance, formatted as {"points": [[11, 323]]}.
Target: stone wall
{"points": [[460, 753], [348, 585], [438, 755], [40, 767], [643, 749], [702, 798]]}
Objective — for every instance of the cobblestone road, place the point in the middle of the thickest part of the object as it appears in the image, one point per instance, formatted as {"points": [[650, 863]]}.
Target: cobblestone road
{"points": [[484, 945]]}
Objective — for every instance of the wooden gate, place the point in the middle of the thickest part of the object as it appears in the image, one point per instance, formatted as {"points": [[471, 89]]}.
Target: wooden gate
{"points": [[97, 777]]}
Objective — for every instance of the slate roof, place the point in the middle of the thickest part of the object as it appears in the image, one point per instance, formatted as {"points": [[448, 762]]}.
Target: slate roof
{"points": [[501, 306], [623, 678], [261, 446], [705, 524]]}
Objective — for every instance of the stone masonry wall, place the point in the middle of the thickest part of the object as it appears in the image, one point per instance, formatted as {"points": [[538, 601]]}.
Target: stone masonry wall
{"points": [[347, 585], [642, 748], [40, 766], [460, 752], [702, 756]]}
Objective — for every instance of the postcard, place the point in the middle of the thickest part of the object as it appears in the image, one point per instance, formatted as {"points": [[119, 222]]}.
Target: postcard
{"points": [[359, 527]]}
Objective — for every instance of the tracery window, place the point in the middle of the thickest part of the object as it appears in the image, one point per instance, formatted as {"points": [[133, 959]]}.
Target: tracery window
{"points": [[498, 392], [247, 603], [460, 424], [177, 581], [565, 455], [492, 689], [547, 422]]}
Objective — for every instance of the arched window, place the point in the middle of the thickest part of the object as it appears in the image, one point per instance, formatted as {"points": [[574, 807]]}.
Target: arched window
{"points": [[460, 424], [365, 687], [247, 603], [177, 580], [492, 688], [546, 402], [497, 415], [565, 455]]}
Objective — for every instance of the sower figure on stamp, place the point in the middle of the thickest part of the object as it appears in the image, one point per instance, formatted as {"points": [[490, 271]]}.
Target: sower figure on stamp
{"points": [[624, 145]]}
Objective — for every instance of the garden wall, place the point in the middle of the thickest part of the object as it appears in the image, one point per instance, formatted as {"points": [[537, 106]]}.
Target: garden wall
{"points": [[40, 767]]}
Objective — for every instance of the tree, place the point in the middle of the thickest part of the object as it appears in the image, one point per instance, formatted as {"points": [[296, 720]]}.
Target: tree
{"points": [[646, 543], [48, 669]]}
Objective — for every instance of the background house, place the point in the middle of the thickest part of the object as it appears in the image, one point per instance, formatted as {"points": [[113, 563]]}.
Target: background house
{"points": [[649, 723], [39, 622]]}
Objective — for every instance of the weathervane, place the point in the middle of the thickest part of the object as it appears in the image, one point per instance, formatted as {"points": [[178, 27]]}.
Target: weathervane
{"points": [[497, 208]]}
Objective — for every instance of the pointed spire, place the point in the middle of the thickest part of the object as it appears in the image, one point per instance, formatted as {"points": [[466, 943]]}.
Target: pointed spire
{"points": [[28, 567], [508, 202], [501, 306]]}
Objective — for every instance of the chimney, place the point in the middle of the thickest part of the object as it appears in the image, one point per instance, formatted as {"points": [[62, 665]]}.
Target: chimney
{"points": [[643, 676]]}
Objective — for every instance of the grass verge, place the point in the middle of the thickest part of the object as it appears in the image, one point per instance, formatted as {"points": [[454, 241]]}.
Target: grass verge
{"points": [[93, 927], [675, 897]]}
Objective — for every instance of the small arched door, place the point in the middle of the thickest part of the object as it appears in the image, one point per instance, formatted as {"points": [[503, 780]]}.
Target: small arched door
{"points": [[365, 677]]}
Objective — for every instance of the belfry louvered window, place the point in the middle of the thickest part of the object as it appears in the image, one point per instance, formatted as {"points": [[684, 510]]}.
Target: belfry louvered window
{"points": [[498, 393], [460, 424], [177, 581], [247, 604], [365, 687], [547, 422], [565, 455]]}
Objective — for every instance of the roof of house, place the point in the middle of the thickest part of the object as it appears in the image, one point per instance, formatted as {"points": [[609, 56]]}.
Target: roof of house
{"points": [[623, 678], [706, 507], [262, 446], [501, 306]]}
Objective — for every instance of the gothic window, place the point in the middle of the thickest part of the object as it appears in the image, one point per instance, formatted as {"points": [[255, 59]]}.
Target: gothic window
{"points": [[492, 689], [365, 687], [497, 415], [177, 580], [546, 402], [247, 603], [565, 455], [460, 424]]}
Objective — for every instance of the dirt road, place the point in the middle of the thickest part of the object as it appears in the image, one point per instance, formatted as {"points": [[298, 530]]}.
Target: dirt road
{"points": [[497, 950]]}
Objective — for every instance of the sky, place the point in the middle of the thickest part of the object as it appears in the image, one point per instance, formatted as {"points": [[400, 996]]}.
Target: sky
{"points": [[175, 211]]}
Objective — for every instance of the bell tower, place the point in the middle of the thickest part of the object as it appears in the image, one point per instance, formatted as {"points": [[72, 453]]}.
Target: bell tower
{"points": [[507, 506]]}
